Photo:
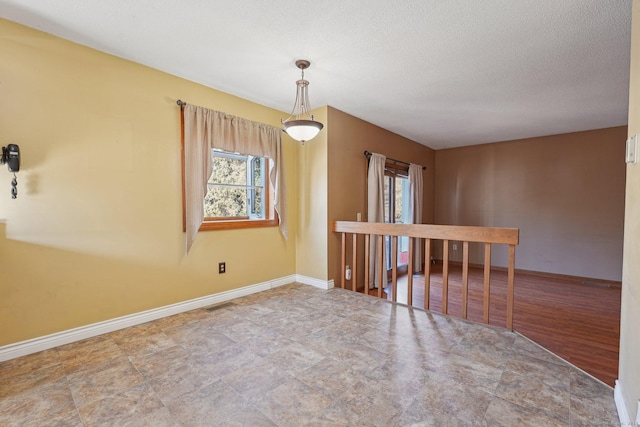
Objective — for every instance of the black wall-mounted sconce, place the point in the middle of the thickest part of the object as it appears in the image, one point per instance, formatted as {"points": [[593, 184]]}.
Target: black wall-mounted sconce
{"points": [[11, 156]]}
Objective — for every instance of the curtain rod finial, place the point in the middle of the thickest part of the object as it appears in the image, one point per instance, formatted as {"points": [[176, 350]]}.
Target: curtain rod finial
{"points": [[181, 103]]}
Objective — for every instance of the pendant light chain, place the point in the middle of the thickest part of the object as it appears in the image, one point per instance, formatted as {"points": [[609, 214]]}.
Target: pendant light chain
{"points": [[300, 125]]}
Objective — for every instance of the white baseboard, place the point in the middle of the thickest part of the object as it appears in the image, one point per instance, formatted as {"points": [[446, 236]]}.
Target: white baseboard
{"points": [[46, 342], [322, 284], [623, 414]]}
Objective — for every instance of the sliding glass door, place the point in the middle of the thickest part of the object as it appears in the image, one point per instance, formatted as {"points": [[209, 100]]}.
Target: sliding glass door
{"points": [[396, 210]]}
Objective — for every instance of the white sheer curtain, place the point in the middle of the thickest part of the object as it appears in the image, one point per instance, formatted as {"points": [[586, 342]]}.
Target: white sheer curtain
{"points": [[375, 210], [415, 210], [205, 129]]}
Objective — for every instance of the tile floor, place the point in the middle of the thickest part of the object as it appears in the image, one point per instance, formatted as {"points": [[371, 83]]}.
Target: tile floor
{"points": [[296, 356]]}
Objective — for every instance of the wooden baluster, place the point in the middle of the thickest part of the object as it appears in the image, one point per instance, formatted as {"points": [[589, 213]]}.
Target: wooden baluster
{"points": [[367, 254], [394, 268], [465, 278], [510, 285], [487, 281], [445, 276], [381, 269], [488, 235], [344, 258], [354, 264], [427, 272], [410, 274]]}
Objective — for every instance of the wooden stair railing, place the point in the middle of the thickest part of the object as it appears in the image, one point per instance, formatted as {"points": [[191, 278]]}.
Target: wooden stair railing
{"points": [[428, 232]]}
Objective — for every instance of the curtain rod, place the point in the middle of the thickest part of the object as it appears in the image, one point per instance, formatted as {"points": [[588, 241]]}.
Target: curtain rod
{"points": [[181, 103], [368, 154]]}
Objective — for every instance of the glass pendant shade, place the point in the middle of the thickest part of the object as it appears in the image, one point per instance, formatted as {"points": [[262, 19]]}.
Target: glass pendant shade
{"points": [[302, 130], [300, 124]]}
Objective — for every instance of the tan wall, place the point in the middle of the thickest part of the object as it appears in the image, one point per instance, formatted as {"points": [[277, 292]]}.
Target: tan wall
{"points": [[564, 192], [311, 245], [96, 230], [629, 369], [349, 137]]}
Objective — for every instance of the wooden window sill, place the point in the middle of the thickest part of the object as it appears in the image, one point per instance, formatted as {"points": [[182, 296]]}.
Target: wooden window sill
{"points": [[234, 224]]}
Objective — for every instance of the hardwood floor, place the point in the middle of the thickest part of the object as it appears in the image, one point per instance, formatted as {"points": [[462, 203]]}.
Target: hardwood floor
{"points": [[579, 322]]}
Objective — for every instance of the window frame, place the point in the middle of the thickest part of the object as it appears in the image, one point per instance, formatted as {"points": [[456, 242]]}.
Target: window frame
{"points": [[216, 223], [249, 160], [209, 224], [391, 174]]}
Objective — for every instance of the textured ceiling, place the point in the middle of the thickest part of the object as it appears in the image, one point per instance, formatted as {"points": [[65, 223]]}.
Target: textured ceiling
{"points": [[444, 73]]}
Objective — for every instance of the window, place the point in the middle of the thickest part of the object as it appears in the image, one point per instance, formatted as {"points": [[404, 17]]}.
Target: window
{"points": [[396, 210], [238, 192], [253, 201]]}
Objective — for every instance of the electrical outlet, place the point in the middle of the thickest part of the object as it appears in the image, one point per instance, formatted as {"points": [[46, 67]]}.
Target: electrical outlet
{"points": [[222, 268], [455, 246], [632, 150]]}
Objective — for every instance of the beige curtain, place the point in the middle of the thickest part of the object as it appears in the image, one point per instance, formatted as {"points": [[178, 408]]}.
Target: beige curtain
{"points": [[375, 211], [205, 129], [415, 209]]}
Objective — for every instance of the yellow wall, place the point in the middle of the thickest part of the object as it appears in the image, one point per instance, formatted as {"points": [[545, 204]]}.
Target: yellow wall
{"points": [[96, 230], [629, 369], [349, 137], [311, 245]]}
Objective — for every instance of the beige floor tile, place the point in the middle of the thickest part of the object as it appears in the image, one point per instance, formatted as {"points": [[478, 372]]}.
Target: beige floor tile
{"points": [[232, 358], [29, 382], [297, 355], [160, 362], [92, 354], [591, 402], [180, 380], [330, 377], [339, 415], [27, 364], [209, 405], [142, 340], [89, 386], [532, 394], [481, 352], [471, 373], [502, 413], [417, 416], [257, 379], [46, 404], [293, 403], [550, 373], [135, 405], [456, 400]]}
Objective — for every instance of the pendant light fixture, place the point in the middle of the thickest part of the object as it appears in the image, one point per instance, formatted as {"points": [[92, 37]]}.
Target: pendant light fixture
{"points": [[300, 124]]}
